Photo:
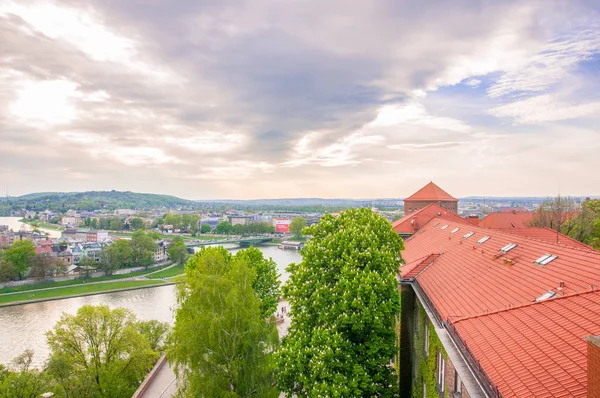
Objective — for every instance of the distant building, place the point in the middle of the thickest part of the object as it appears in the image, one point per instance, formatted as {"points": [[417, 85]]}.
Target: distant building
{"points": [[282, 225], [428, 195], [503, 220], [240, 220], [71, 221]]}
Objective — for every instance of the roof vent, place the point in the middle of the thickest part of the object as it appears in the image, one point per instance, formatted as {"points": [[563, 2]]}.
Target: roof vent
{"points": [[445, 226], [482, 240], [436, 224], [508, 247], [545, 259], [467, 236], [454, 230], [548, 295]]}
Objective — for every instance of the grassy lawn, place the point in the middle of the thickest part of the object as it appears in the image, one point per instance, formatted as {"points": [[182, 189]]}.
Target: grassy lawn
{"points": [[168, 273], [45, 285], [74, 290], [42, 224]]}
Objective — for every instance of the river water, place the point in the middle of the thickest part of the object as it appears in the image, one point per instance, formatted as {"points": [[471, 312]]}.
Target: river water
{"points": [[16, 225], [24, 326]]}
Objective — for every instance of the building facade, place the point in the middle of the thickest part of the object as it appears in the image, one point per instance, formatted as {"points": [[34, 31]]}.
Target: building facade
{"points": [[428, 195]]}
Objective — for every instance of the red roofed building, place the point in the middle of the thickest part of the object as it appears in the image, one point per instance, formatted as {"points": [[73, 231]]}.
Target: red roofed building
{"points": [[486, 313], [430, 194], [512, 219], [546, 234]]}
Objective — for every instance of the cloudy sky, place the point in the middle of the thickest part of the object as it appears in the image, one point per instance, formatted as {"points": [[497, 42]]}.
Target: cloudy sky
{"points": [[209, 99]]}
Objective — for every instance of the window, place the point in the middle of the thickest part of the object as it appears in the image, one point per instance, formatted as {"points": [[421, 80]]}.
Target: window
{"points": [[440, 371], [484, 239], [457, 383], [445, 226], [545, 259], [426, 345], [467, 236], [454, 230], [508, 247], [436, 224]]}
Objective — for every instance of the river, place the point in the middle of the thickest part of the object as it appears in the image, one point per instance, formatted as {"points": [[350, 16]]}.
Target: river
{"points": [[16, 225], [24, 326]]}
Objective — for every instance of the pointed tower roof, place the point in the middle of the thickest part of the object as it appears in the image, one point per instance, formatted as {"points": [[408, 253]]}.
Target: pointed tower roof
{"points": [[431, 192]]}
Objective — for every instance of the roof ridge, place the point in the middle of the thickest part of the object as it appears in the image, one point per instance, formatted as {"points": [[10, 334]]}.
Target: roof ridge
{"points": [[510, 308]]}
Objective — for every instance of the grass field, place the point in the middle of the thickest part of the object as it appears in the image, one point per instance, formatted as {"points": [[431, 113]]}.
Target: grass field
{"points": [[42, 224], [168, 273], [45, 285], [74, 291]]}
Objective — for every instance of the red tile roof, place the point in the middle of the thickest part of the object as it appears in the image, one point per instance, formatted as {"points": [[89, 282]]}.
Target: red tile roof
{"points": [[431, 192], [421, 266], [507, 220], [411, 223], [536, 350], [43, 249], [546, 234], [471, 280]]}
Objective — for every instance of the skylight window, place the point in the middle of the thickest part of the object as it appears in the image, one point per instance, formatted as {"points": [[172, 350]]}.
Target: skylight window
{"points": [[467, 236], [508, 247], [454, 230], [546, 259], [548, 295], [445, 226], [485, 238], [436, 224]]}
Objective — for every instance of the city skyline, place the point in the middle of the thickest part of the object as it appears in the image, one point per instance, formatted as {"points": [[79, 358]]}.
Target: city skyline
{"points": [[220, 100]]}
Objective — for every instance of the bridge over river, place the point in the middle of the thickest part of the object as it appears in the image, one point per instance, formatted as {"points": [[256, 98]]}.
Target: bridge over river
{"points": [[243, 242]]}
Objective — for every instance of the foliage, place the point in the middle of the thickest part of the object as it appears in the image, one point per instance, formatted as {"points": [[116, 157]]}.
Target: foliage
{"points": [[116, 255], [8, 271], [116, 224], [224, 228], [43, 265], [554, 212], [204, 228], [20, 254], [137, 223], [142, 249], [154, 332], [178, 251], [344, 299], [24, 382], [266, 284], [585, 227], [99, 352], [297, 225], [425, 366], [154, 235], [220, 341]]}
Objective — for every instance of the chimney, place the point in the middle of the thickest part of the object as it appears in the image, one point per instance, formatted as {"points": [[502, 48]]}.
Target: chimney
{"points": [[593, 366], [473, 220]]}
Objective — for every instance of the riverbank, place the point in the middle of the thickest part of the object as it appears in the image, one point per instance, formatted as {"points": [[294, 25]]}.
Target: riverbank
{"points": [[78, 291], [42, 225]]}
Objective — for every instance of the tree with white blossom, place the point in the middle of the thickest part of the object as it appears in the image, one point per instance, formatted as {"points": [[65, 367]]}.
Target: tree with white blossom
{"points": [[344, 299]]}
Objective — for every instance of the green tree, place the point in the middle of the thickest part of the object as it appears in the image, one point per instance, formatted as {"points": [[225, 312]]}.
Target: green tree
{"points": [[223, 228], [8, 272], [43, 265], [142, 249], [204, 228], [174, 220], [25, 382], [220, 341], [266, 283], [344, 299], [99, 352], [117, 255], [154, 332], [297, 225], [154, 235], [116, 224], [178, 251], [585, 226], [137, 223], [20, 254]]}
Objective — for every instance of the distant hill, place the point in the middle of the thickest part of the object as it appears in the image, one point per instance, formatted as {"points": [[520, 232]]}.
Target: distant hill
{"points": [[93, 200]]}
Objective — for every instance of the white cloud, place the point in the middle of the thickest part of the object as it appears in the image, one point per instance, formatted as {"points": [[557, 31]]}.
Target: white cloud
{"points": [[48, 101], [203, 141], [415, 114], [473, 82], [545, 108]]}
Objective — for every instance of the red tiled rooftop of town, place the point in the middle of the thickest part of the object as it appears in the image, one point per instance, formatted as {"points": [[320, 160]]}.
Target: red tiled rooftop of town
{"points": [[546, 234], [411, 223], [507, 220], [470, 280], [537, 350], [43, 249], [431, 192]]}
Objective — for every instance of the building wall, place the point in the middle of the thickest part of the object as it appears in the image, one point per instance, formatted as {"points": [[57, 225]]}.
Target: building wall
{"points": [[593, 363], [411, 206], [418, 368]]}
